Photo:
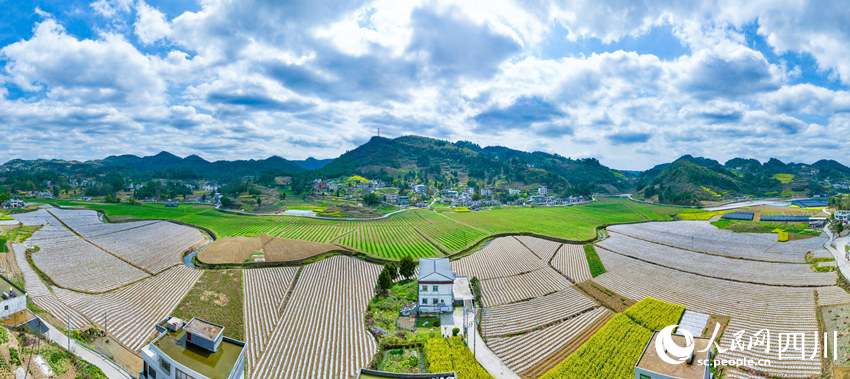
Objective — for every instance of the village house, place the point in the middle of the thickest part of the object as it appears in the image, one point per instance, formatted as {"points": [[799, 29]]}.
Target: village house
{"points": [[403, 201], [542, 190], [436, 285], [513, 191], [14, 204], [196, 350], [842, 216], [420, 188]]}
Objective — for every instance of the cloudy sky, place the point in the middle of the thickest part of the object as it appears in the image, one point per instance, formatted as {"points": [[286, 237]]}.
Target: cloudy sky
{"points": [[633, 83]]}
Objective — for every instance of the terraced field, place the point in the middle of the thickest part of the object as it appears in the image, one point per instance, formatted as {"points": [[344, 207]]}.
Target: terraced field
{"points": [[760, 272], [524, 316], [701, 236], [532, 354], [389, 241], [321, 333], [264, 290], [502, 257], [423, 233], [572, 262], [779, 309], [129, 313]]}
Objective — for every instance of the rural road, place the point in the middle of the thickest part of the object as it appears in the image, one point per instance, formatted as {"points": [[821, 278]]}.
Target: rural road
{"points": [[110, 369], [838, 252]]}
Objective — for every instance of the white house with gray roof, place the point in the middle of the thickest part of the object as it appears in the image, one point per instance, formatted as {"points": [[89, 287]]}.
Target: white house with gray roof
{"points": [[436, 285]]}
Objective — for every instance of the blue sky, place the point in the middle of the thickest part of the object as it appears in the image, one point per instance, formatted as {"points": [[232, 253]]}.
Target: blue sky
{"points": [[632, 83]]}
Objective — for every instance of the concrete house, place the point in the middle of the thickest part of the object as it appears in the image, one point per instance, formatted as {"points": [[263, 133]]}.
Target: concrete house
{"points": [[13, 299], [196, 350], [842, 216], [651, 366], [436, 285]]}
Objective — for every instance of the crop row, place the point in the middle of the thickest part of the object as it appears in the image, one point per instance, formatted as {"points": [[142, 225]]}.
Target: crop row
{"points": [[530, 351], [502, 257], [129, 313], [717, 266], [572, 262], [321, 333], [610, 353], [390, 242], [752, 307], [529, 315], [264, 292]]}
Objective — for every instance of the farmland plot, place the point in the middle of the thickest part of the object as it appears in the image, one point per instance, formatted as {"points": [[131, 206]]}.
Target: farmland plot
{"points": [[390, 241], [37, 217], [129, 313], [782, 274], [511, 289], [532, 354], [322, 333], [41, 295], [153, 247], [78, 265], [323, 233], [833, 295], [701, 236], [752, 307], [524, 316], [502, 257], [572, 262], [542, 248], [264, 290]]}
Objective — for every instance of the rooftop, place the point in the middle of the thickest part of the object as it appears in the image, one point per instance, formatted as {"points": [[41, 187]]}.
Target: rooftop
{"points": [[212, 365], [204, 329], [650, 361], [6, 285], [435, 270]]}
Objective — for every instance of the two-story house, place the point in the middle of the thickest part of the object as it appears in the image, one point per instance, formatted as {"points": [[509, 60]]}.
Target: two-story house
{"points": [[195, 350], [436, 285]]}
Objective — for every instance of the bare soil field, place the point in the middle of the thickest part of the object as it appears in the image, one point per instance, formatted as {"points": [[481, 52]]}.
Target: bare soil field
{"points": [[271, 249]]}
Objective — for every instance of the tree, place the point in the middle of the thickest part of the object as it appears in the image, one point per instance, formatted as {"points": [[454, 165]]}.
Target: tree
{"points": [[131, 201], [259, 201], [227, 202], [371, 199], [384, 280], [4, 196], [407, 267], [282, 195], [392, 269]]}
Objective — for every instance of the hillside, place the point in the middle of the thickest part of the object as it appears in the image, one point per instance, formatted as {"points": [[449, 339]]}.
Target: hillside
{"points": [[163, 165], [496, 165], [692, 180]]}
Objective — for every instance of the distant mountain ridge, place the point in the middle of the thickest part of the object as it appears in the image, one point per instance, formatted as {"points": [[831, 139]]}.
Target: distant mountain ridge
{"points": [[689, 180], [686, 180]]}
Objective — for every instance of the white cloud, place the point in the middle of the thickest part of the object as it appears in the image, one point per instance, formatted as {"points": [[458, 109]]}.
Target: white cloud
{"points": [[151, 25], [302, 78]]}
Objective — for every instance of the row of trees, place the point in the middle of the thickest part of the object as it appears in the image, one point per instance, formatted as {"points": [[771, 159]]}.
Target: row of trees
{"points": [[391, 271]]}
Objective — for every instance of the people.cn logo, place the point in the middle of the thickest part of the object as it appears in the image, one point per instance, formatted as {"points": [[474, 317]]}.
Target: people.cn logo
{"points": [[671, 352]]}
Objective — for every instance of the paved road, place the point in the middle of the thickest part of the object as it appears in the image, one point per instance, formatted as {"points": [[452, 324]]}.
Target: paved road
{"points": [[110, 369], [839, 252]]}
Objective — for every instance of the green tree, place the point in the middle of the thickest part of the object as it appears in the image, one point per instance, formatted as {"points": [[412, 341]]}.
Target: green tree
{"points": [[392, 269], [4, 196], [407, 267], [384, 280], [371, 199]]}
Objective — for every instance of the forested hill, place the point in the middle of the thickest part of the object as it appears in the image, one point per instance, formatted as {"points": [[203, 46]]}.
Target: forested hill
{"points": [[455, 162], [690, 180]]}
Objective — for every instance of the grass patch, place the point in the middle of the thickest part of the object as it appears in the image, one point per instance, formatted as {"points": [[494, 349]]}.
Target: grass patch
{"points": [[593, 261], [216, 297], [402, 361], [702, 215], [783, 178], [739, 226]]}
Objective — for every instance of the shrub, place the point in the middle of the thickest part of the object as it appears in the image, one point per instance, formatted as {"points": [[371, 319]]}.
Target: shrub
{"points": [[782, 236], [455, 332]]}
